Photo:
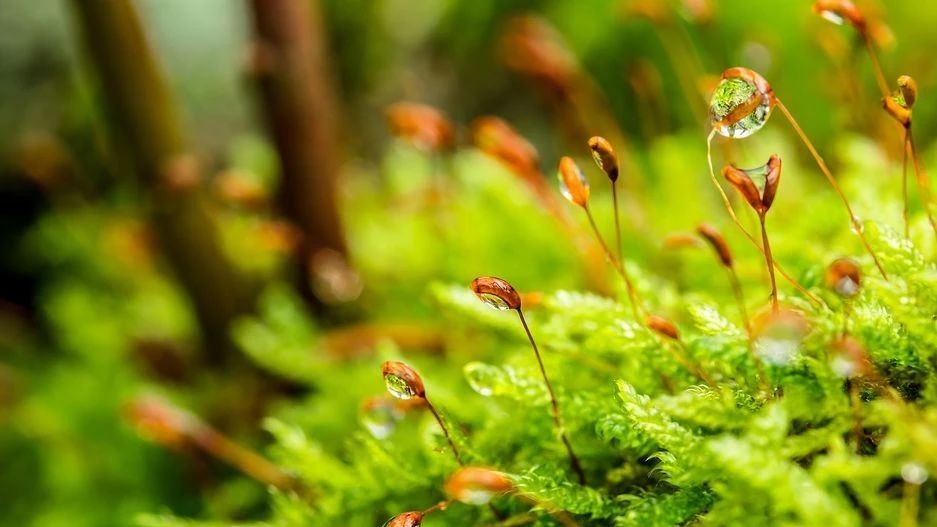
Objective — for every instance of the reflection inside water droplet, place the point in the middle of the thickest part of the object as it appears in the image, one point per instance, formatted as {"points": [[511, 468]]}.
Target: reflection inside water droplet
{"points": [[759, 176], [846, 287], [564, 188], [832, 17], [398, 387], [737, 109], [494, 301]]}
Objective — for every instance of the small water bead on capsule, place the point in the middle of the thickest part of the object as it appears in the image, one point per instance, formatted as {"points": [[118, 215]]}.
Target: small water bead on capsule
{"points": [[758, 185], [844, 277], [604, 156], [402, 381], [850, 359], [496, 293], [477, 485], [406, 519], [778, 335], [741, 103], [839, 12], [573, 183]]}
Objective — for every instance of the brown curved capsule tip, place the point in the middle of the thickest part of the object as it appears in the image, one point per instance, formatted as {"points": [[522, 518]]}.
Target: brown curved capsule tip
{"points": [[496, 292], [761, 84], [477, 485], [532, 47], [424, 126], [604, 156], [850, 358], [897, 111], [907, 87], [717, 241], [744, 185], [407, 519], [839, 11], [844, 276], [403, 382], [662, 326], [495, 137], [573, 183], [772, 180]]}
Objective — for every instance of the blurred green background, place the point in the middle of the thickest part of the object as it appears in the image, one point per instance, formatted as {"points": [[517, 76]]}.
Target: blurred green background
{"points": [[91, 312]]}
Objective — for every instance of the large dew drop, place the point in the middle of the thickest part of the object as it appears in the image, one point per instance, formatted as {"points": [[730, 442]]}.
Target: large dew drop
{"points": [[738, 109], [494, 301], [398, 387]]}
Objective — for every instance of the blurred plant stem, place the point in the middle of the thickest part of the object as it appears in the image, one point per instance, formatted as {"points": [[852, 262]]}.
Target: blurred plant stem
{"points": [[146, 123], [290, 66]]}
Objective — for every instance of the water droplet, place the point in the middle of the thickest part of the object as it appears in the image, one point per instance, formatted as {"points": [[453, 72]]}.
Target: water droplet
{"points": [[832, 16], [779, 336], [477, 485], [484, 378], [914, 473], [494, 301], [398, 387], [496, 293], [738, 109], [844, 367], [407, 519], [846, 286], [573, 183], [380, 416]]}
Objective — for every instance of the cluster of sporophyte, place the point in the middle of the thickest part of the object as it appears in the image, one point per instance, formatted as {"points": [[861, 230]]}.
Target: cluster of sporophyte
{"points": [[816, 409]]}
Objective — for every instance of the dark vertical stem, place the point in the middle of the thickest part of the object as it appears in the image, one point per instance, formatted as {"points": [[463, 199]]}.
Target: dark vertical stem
{"points": [[735, 219], [290, 65], [618, 265], [146, 123], [445, 431], [857, 227], [557, 420], [769, 260]]}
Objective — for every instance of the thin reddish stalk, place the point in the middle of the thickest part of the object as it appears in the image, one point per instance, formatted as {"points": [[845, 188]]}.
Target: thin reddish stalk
{"points": [[618, 265], [621, 254], [735, 219], [921, 176], [906, 213], [857, 227], [445, 431], [555, 406], [769, 260]]}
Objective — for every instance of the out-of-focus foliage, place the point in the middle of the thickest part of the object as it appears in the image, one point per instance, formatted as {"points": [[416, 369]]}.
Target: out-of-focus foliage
{"points": [[106, 321]]}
